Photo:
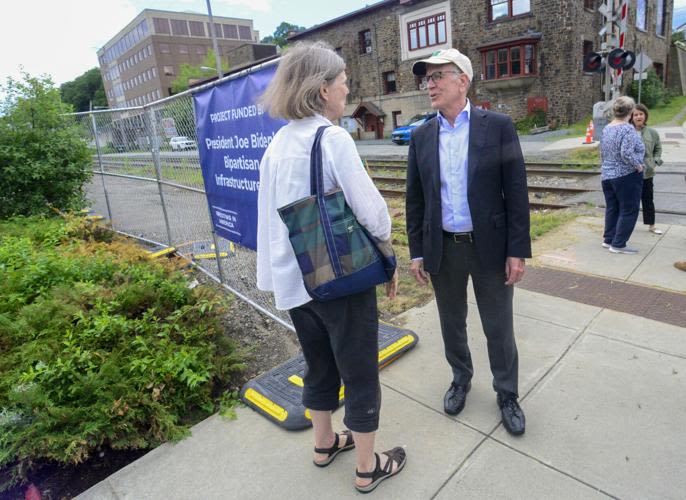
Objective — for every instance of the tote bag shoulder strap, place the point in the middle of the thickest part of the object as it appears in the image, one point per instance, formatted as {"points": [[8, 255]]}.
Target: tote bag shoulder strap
{"points": [[317, 189], [316, 169]]}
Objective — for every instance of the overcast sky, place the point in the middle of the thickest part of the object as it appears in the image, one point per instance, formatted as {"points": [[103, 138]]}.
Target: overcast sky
{"points": [[60, 38]]}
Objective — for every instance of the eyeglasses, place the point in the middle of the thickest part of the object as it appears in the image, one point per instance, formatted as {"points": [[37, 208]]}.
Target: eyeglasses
{"points": [[437, 76]]}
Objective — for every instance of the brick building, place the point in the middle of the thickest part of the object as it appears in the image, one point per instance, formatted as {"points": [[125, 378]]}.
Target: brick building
{"points": [[527, 54], [139, 64]]}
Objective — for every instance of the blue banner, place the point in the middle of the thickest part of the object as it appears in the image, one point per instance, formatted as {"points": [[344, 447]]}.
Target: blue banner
{"points": [[233, 132]]}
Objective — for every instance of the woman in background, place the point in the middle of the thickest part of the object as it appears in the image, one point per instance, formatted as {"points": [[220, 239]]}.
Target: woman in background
{"points": [[621, 171], [652, 157]]}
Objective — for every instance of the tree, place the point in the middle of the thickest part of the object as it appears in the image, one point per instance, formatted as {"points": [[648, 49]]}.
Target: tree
{"points": [[44, 162], [188, 72], [281, 33], [83, 90]]}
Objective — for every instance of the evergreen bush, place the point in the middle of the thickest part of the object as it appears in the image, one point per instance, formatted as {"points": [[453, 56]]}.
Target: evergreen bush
{"points": [[99, 346]]}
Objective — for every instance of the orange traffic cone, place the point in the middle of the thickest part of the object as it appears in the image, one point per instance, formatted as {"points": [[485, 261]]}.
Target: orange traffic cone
{"points": [[589, 136], [590, 125]]}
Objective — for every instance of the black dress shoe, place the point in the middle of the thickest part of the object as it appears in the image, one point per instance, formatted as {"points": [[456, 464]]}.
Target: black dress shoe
{"points": [[455, 398], [513, 416]]}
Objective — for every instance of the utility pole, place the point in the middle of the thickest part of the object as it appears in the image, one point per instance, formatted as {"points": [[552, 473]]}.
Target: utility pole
{"points": [[215, 45]]}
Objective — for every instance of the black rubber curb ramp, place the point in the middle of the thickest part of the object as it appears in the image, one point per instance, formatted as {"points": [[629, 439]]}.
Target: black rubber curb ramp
{"points": [[277, 394]]}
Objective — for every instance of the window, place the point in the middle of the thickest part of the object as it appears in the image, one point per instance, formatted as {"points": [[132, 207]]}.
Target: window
{"points": [[230, 30], [589, 4], [154, 72], [245, 33], [197, 28], [179, 27], [169, 71], [501, 9], [588, 47], [161, 26], [365, 39], [421, 82], [659, 70], [164, 48], [510, 61], [641, 14], [183, 49], [661, 16], [200, 50], [426, 32], [389, 85]]}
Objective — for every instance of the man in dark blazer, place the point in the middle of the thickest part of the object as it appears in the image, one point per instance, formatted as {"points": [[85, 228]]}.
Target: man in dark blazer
{"points": [[468, 215]]}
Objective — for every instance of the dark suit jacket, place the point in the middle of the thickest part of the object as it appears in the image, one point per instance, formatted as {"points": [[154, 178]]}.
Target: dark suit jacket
{"points": [[496, 192]]}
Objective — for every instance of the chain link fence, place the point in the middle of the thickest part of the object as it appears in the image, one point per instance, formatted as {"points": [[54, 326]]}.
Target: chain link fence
{"points": [[148, 183]]}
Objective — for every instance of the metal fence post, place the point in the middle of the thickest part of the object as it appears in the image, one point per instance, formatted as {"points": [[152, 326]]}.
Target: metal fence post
{"points": [[215, 241], [102, 170], [158, 169]]}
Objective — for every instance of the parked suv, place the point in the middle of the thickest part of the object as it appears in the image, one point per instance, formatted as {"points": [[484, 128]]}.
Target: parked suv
{"points": [[181, 142], [401, 135]]}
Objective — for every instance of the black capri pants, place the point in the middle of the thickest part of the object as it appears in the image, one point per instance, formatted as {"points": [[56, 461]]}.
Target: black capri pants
{"points": [[339, 339]]}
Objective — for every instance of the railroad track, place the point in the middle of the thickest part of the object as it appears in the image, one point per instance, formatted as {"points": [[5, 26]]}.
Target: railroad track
{"points": [[532, 168], [533, 205]]}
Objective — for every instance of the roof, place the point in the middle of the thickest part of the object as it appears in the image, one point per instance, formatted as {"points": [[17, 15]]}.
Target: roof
{"points": [[370, 107], [356, 13]]}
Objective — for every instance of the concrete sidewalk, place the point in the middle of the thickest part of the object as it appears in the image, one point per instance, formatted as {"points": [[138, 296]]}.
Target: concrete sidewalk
{"points": [[604, 394]]}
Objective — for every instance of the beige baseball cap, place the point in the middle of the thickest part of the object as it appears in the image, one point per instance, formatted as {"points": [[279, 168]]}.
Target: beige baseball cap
{"points": [[453, 56]]}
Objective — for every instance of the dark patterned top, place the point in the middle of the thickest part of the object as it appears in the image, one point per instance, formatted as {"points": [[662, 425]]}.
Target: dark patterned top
{"points": [[621, 151]]}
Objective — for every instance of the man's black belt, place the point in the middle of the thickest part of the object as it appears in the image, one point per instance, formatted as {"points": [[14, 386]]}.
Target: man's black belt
{"points": [[459, 237]]}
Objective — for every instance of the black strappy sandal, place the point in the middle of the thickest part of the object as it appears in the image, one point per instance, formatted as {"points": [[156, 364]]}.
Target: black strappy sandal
{"points": [[396, 455], [335, 450]]}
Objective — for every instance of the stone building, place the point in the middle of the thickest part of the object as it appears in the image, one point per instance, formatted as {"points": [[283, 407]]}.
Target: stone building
{"points": [[527, 54]]}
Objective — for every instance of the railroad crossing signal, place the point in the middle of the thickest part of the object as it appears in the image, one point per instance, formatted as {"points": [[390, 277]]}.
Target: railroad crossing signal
{"points": [[611, 59], [595, 62], [621, 59]]}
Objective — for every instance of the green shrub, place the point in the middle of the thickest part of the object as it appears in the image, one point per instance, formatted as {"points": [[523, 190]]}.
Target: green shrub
{"points": [[99, 346], [538, 119], [652, 90], [43, 160]]}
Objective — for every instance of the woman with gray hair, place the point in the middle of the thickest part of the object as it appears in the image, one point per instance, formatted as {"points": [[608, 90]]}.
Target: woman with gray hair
{"points": [[621, 153], [339, 337]]}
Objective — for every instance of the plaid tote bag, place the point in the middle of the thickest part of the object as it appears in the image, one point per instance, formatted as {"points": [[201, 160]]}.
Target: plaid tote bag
{"points": [[337, 256]]}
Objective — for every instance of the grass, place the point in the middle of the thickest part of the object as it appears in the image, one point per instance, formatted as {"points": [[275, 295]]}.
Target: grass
{"points": [[584, 155], [186, 176], [544, 222], [578, 128], [410, 293], [665, 114]]}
